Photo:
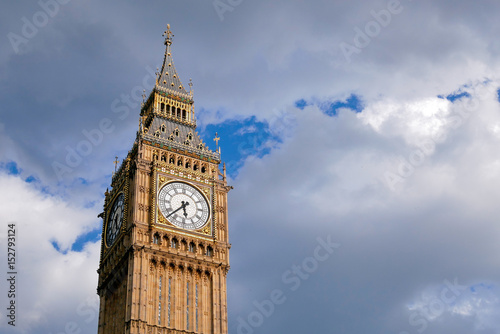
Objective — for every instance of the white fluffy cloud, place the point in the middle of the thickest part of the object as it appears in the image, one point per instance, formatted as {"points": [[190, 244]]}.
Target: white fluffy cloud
{"points": [[55, 288]]}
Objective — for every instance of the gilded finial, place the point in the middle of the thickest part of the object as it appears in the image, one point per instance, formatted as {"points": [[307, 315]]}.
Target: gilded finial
{"points": [[216, 139], [168, 35], [116, 163]]}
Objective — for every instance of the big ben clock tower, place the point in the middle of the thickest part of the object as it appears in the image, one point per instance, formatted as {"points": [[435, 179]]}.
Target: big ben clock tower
{"points": [[165, 249]]}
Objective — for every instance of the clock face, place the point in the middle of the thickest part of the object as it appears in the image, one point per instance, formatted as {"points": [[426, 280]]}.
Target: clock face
{"points": [[115, 220], [183, 205]]}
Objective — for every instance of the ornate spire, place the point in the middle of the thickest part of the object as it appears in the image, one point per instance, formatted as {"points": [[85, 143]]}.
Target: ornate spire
{"points": [[168, 80]]}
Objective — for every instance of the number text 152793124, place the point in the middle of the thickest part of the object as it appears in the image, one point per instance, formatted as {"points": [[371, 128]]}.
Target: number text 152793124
{"points": [[11, 273]]}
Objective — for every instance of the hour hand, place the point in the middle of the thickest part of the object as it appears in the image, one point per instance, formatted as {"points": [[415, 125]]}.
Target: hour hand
{"points": [[184, 204]]}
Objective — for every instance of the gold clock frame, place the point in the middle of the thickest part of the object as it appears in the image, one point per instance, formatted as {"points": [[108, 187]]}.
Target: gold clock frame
{"points": [[161, 179]]}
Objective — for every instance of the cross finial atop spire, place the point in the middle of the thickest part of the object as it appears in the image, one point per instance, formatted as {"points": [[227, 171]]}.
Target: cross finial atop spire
{"points": [[190, 87], [116, 163], [168, 35], [216, 139]]}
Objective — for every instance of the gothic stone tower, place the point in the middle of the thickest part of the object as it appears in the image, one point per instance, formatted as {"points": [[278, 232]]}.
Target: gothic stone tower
{"points": [[165, 250]]}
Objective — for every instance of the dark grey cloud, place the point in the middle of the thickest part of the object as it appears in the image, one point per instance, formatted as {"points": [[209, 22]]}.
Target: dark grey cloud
{"points": [[89, 54]]}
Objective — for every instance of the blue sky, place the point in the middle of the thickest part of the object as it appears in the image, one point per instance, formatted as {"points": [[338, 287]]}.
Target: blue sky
{"points": [[241, 138], [391, 152]]}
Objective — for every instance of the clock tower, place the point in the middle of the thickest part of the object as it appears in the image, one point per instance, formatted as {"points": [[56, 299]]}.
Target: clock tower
{"points": [[165, 249]]}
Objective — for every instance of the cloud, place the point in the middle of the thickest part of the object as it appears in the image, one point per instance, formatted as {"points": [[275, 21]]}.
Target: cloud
{"points": [[407, 186], [44, 273], [437, 225], [257, 62]]}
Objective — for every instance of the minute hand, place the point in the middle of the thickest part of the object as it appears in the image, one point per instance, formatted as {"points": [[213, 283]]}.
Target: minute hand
{"points": [[184, 204]]}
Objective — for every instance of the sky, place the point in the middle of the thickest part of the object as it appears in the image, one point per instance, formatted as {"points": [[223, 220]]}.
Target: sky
{"points": [[361, 138]]}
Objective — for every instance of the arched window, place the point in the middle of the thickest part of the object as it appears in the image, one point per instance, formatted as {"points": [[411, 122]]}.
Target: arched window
{"points": [[183, 114], [176, 132], [210, 251], [188, 165], [203, 169], [195, 167], [173, 244], [162, 106], [156, 238], [191, 247], [179, 163], [172, 161], [168, 108], [164, 158], [163, 128]]}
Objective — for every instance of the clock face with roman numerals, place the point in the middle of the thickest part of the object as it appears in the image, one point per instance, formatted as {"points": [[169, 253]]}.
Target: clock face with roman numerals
{"points": [[115, 220], [183, 205]]}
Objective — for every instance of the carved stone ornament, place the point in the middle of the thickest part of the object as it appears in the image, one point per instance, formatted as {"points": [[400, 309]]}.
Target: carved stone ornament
{"points": [[206, 230]]}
